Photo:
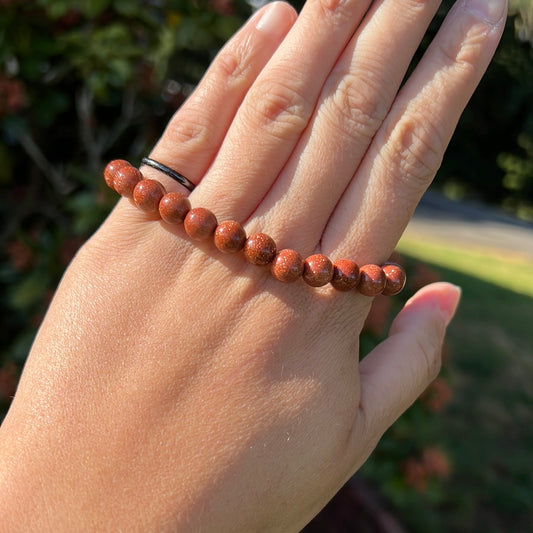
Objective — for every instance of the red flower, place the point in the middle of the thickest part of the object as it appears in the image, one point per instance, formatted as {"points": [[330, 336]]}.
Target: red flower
{"points": [[222, 7], [415, 474], [12, 95], [436, 462], [21, 255]]}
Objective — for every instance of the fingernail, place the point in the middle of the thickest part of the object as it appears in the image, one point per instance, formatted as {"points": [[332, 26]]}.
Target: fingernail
{"points": [[490, 11], [273, 20], [449, 301]]}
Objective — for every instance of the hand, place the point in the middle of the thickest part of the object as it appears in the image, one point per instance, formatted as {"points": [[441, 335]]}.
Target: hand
{"points": [[172, 387]]}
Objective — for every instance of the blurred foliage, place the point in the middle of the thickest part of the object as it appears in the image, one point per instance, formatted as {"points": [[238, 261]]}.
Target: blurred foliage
{"points": [[82, 82], [412, 466], [522, 10], [86, 81], [490, 157], [459, 459]]}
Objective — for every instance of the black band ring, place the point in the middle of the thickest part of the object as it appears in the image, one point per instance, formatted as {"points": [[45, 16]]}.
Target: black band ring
{"points": [[169, 172]]}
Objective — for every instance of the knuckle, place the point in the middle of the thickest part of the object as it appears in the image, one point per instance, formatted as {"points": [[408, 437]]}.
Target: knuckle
{"points": [[464, 57], [418, 147], [280, 109], [190, 130], [334, 8], [357, 108], [190, 126], [229, 65]]}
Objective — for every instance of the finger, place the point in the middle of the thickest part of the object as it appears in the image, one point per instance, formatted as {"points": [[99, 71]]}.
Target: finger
{"points": [[398, 370], [408, 149], [277, 108], [352, 106], [195, 133]]}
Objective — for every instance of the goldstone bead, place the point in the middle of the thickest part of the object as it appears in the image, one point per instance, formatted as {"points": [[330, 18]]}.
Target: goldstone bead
{"points": [[345, 275], [200, 223], [395, 279], [111, 170], [126, 178], [230, 237], [173, 207], [318, 270], [260, 249], [288, 266], [147, 195], [371, 280]]}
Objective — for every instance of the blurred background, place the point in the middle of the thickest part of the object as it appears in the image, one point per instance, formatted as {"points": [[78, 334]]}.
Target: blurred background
{"points": [[85, 82]]}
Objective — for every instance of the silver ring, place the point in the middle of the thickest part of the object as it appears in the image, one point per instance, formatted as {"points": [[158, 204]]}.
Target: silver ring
{"points": [[180, 178]]}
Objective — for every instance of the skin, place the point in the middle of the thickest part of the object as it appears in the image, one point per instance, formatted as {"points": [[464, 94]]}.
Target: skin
{"points": [[175, 388]]}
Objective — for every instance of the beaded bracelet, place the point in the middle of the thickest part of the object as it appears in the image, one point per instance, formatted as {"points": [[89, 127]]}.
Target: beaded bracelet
{"points": [[229, 237]]}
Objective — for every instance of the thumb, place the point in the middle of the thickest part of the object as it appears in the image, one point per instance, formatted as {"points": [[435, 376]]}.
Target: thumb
{"points": [[399, 369]]}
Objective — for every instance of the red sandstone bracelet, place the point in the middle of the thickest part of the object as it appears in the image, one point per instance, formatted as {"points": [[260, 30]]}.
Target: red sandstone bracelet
{"points": [[259, 249]]}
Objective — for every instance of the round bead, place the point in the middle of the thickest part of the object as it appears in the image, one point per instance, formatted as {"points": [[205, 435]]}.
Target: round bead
{"points": [[371, 280], [260, 249], [111, 170], [395, 279], [200, 223], [318, 270], [345, 275], [126, 178], [230, 237], [288, 266], [147, 195], [173, 207]]}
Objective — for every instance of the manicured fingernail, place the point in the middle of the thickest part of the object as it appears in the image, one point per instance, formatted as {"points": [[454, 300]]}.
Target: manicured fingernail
{"points": [[274, 19], [491, 11], [449, 301]]}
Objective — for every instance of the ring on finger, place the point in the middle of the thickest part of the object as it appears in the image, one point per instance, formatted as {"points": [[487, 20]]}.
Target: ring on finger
{"points": [[180, 178]]}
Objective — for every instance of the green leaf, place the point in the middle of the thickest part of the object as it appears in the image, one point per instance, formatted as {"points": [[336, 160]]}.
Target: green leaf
{"points": [[87, 214], [128, 8], [29, 291], [93, 8], [55, 8]]}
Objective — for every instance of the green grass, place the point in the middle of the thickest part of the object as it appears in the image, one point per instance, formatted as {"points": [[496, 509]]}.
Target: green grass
{"points": [[509, 271], [488, 427], [495, 317]]}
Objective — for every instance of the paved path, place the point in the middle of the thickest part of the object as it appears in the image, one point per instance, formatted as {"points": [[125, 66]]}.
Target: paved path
{"points": [[467, 224]]}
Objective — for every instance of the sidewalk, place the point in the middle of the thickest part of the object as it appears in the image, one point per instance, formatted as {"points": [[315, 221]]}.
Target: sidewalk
{"points": [[471, 225]]}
